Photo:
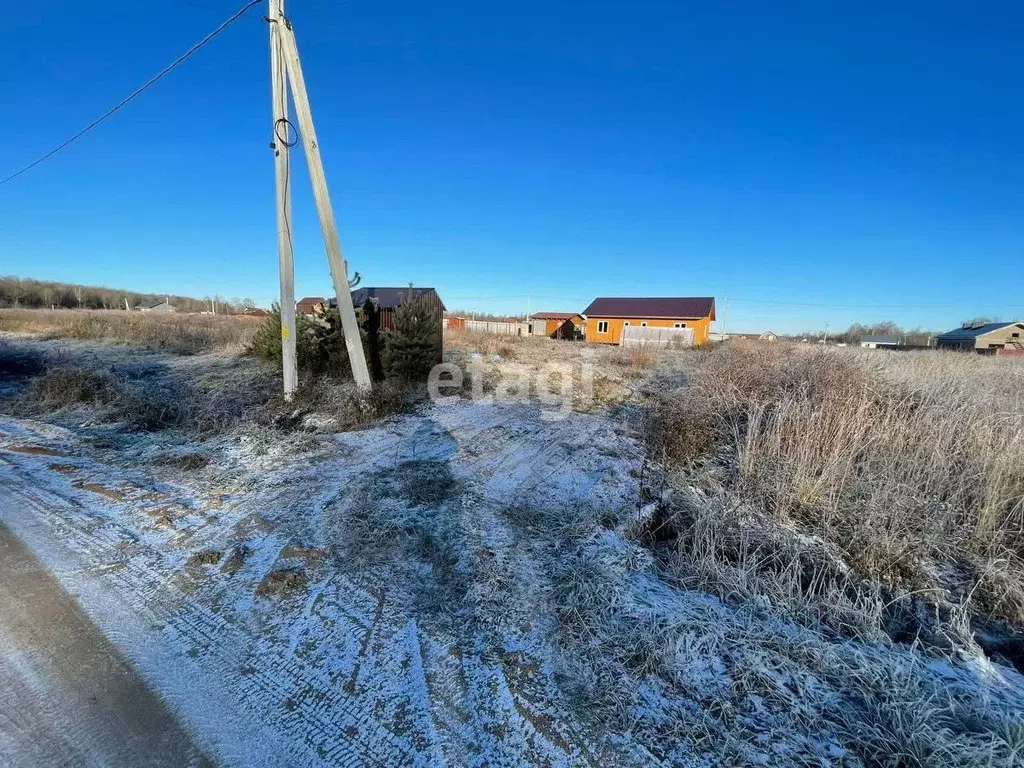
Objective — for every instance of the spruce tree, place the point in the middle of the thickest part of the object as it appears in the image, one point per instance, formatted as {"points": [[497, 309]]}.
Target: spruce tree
{"points": [[411, 348], [319, 344]]}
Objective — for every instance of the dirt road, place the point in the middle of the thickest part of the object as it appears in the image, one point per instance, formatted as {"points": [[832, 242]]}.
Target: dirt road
{"points": [[67, 695]]}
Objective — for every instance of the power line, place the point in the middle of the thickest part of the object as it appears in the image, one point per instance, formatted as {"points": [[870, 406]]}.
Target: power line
{"points": [[732, 299], [152, 81], [859, 306]]}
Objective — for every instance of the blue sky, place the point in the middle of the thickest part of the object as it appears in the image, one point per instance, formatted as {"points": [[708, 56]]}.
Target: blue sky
{"points": [[802, 154]]}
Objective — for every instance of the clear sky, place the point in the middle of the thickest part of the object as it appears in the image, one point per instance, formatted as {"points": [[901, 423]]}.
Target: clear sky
{"points": [[798, 153]]}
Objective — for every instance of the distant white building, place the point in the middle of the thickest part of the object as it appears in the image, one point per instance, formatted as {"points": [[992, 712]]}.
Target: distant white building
{"points": [[874, 342], [157, 306]]}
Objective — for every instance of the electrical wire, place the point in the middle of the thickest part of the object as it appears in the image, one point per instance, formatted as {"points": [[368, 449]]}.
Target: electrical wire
{"points": [[288, 128], [733, 299], [853, 306], [138, 91]]}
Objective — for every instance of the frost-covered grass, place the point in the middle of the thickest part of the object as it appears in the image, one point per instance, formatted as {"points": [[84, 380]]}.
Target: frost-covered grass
{"points": [[202, 394], [543, 584], [904, 469], [743, 687]]}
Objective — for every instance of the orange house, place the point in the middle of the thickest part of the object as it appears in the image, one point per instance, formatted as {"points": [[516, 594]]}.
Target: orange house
{"points": [[606, 317], [557, 325]]}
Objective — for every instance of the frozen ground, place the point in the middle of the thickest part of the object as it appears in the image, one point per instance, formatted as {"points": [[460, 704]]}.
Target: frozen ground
{"points": [[451, 587], [324, 666]]}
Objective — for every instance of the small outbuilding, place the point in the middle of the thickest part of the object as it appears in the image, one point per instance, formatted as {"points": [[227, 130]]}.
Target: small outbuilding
{"points": [[387, 300], [557, 325], [986, 338]]}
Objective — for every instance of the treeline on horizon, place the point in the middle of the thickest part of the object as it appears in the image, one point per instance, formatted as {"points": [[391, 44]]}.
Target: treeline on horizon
{"points": [[910, 336], [29, 293]]}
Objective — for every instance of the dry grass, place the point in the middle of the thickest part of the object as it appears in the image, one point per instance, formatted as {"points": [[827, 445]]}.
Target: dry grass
{"points": [[181, 333], [325, 403], [205, 400], [908, 468], [738, 688], [616, 373]]}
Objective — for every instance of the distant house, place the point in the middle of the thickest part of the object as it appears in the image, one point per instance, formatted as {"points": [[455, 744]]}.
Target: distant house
{"points": [[454, 322], [606, 317], [766, 336], [157, 306], [874, 341], [308, 305], [984, 337], [556, 325], [255, 312]]}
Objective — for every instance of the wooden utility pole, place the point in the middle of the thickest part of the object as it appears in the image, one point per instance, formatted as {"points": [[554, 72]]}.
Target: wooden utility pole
{"points": [[339, 269], [280, 141]]}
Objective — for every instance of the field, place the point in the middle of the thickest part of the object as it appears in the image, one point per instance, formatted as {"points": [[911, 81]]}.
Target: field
{"points": [[185, 334], [757, 554]]}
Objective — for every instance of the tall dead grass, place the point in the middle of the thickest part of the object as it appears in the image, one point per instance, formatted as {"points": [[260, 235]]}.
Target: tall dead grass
{"points": [[181, 333], [908, 467]]}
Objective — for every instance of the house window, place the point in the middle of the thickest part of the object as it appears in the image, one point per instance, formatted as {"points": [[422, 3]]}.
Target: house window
{"points": [[1015, 335], [678, 325], [602, 326], [643, 325]]}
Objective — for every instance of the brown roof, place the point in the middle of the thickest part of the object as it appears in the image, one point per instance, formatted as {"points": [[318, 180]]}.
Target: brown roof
{"points": [[554, 315], [653, 307], [309, 302]]}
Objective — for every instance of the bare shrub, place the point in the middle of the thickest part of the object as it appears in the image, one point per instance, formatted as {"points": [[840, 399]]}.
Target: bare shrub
{"points": [[682, 427], [64, 387], [640, 356]]}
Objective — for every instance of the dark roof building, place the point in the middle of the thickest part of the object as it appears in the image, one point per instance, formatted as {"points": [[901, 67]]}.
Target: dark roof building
{"points": [[389, 298], [984, 336], [655, 307]]}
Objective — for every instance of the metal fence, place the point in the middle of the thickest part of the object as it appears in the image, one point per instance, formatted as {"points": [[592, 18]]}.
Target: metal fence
{"points": [[505, 329], [644, 335]]}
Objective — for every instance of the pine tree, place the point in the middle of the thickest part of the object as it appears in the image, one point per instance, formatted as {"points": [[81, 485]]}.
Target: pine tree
{"points": [[319, 344], [411, 347]]}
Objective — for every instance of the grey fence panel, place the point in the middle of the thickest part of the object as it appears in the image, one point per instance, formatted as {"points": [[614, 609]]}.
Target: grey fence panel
{"points": [[640, 335], [504, 329]]}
